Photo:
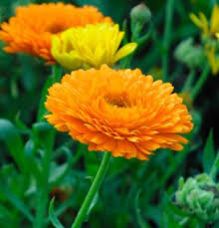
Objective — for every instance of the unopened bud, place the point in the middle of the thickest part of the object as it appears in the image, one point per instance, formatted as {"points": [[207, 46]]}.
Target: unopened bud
{"points": [[199, 196], [140, 14], [189, 54]]}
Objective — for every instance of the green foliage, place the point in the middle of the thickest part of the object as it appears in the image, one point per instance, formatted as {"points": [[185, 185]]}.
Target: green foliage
{"points": [[56, 223], [39, 165], [209, 153], [11, 137], [199, 196]]}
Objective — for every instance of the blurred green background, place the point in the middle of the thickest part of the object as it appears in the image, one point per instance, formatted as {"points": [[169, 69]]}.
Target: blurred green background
{"points": [[135, 194]]}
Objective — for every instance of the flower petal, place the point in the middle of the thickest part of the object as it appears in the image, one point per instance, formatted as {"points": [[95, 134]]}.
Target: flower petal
{"points": [[124, 51]]}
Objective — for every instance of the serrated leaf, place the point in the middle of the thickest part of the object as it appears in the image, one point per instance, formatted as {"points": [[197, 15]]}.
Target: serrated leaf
{"points": [[208, 153], [53, 218]]}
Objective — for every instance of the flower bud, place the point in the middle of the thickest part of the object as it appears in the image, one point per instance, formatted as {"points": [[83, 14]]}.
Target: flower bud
{"points": [[140, 14], [199, 196], [140, 23], [189, 54]]}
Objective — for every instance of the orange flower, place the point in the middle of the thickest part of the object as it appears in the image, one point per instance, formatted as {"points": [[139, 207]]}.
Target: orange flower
{"points": [[120, 111], [30, 30]]}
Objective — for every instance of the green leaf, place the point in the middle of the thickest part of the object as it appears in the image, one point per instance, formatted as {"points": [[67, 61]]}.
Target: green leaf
{"points": [[21, 125], [209, 153], [140, 220], [29, 150], [54, 220], [16, 202], [4, 212], [28, 76], [92, 205], [57, 172], [43, 135], [10, 135]]}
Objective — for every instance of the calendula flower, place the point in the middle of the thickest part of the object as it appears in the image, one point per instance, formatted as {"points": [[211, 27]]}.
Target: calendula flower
{"points": [[120, 111], [30, 30], [90, 46], [201, 21], [210, 30]]}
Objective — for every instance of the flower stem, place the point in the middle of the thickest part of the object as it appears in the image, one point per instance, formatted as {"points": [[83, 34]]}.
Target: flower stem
{"points": [[189, 81], [47, 145], [54, 77], [215, 167], [83, 211], [198, 86], [167, 38], [43, 189]]}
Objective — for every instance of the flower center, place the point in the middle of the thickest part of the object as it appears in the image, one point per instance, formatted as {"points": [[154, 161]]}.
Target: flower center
{"points": [[54, 29], [118, 101]]}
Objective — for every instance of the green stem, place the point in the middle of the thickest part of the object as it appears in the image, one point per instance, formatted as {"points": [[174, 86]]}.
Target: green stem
{"points": [[167, 38], [56, 72], [83, 211], [214, 168], [43, 182], [202, 79], [189, 81], [43, 189], [54, 77]]}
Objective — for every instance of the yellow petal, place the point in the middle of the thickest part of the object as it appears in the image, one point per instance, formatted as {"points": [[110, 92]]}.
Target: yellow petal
{"points": [[201, 22], [215, 20], [195, 19], [55, 46], [212, 59], [124, 51], [205, 26]]}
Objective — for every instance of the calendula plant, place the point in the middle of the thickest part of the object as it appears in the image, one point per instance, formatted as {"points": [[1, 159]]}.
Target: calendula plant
{"points": [[90, 144]]}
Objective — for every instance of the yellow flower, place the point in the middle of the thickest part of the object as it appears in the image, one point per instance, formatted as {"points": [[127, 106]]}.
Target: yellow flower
{"points": [[201, 22], [90, 46], [208, 28], [213, 59], [210, 35], [33, 36]]}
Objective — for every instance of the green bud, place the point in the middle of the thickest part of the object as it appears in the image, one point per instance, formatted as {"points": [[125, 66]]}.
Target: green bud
{"points": [[140, 26], [199, 196], [189, 54], [140, 14]]}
